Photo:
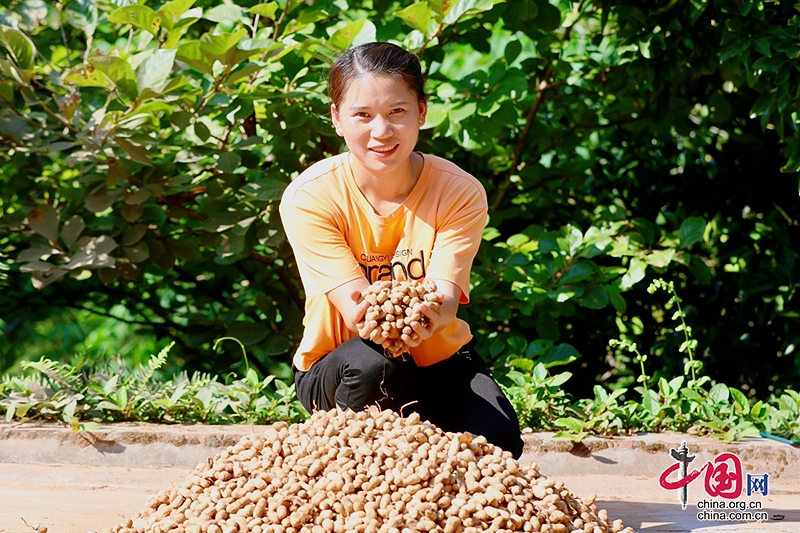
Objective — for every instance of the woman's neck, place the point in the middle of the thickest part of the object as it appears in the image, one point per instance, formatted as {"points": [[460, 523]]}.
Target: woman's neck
{"points": [[385, 192]]}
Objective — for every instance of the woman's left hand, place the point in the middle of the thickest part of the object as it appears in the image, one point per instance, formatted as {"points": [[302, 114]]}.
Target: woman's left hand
{"points": [[426, 331], [449, 295]]}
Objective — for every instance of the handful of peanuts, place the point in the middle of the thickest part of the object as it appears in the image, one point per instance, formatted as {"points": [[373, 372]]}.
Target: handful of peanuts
{"points": [[368, 472], [395, 305]]}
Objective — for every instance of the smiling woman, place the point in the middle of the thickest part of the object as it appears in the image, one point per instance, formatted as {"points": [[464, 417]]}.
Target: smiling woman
{"points": [[380, 119], [383, 211]]}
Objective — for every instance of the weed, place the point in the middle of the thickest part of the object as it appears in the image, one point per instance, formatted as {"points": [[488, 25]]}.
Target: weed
{"points": [[695, 405], [114, 392]]}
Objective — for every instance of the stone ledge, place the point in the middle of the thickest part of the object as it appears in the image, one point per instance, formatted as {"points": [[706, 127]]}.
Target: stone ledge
{"points": [[648, 454], [142, 445]]}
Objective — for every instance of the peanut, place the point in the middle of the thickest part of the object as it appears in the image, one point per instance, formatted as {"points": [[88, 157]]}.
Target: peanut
{"points": [[372, 471]]}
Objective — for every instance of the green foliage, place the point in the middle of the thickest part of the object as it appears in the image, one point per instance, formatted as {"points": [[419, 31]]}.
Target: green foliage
{"points": [[146, 147], [83, 395], [699, 407]]}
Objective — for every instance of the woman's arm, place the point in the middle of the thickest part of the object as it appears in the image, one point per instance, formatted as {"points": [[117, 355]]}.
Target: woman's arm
{"points": [[347, 299]]}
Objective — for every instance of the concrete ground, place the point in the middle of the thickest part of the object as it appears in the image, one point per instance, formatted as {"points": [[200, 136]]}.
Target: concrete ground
{"points": [[76, 483]]}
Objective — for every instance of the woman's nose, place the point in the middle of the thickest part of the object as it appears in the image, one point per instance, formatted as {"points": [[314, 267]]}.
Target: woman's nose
{"points": [[381, 128]]}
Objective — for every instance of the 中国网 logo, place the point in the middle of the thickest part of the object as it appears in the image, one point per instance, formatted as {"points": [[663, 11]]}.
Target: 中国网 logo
{"points": [[723, 479]]}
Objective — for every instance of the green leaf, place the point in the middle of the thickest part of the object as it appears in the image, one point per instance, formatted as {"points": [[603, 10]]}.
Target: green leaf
{"points": [[660, 258], [248, 333], [228, 162], [521, 363], [265, 189], [44, 221], [202, 131], [719, 393], [734, 49], [101, 199], [651, 404], [574, 437], [224, 13], [216, 46], [133, 235], [265, 10], [570, 239], [71, 230], [561, 354], [343, 37], [577, 272], [119, 72], [171, 12], [82, 76], [110, 385], [137, 253], [762, 46], [191, 52], [572, 424], [219, 222], [512, 51], [11, 71], [122, 396], [634, 275], [7, 90], [441, 7], [417, 15], [617, 300], [559, 379], [742, 405], [467, 7], [139, 16], [548, 18], [276, 344], [153, 73], [594, 298], [181, 119], [19, 47], [691, 231], [136, 152], [692, 394], [82, 14]]}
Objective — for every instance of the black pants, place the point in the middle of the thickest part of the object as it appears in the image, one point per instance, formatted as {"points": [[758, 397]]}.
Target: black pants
{"points": [[457, 394]]}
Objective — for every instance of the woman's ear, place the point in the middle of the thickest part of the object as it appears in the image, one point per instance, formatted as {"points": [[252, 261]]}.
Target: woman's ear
{"points": [[423, 111], [335, 119]]}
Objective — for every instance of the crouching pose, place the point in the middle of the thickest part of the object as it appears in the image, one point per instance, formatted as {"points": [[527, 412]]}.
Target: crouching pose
{"points": [[383, 211]]}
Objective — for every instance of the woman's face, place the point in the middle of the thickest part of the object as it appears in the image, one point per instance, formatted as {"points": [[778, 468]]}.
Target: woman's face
{"points": [[379, 118]]}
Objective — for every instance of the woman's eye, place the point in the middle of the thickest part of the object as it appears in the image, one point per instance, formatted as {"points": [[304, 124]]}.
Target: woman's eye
{"points": [[362, 114], [397, 111]]}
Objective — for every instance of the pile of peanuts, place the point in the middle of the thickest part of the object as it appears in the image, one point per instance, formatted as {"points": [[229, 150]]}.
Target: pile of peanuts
{"points": [[395, 305], [371, 472]]}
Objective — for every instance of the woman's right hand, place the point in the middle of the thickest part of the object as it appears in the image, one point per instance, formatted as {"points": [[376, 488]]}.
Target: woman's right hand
{"points": [[363, 327], [347, 299]]}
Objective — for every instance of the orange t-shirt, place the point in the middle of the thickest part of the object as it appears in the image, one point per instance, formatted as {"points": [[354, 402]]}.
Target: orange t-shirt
{"points": [[337, 237]]}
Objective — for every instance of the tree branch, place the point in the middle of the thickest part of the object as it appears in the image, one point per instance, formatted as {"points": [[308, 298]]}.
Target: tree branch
{"points": [[502, 189], [284, 277], [543, 86], [31, 121]]}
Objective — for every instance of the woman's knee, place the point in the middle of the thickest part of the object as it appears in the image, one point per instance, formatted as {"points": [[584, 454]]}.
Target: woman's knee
{"points": [[506, 435], [369, 378]]}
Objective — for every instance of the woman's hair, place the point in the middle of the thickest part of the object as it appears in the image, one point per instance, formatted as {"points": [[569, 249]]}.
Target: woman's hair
{"points": [[375, 58]]}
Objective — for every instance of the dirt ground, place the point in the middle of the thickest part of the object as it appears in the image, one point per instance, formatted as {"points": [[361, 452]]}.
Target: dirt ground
{"points": [[76, 485]]}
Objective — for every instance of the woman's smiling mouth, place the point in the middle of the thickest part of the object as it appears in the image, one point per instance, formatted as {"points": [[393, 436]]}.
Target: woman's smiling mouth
{"points": [[384, 150]]}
